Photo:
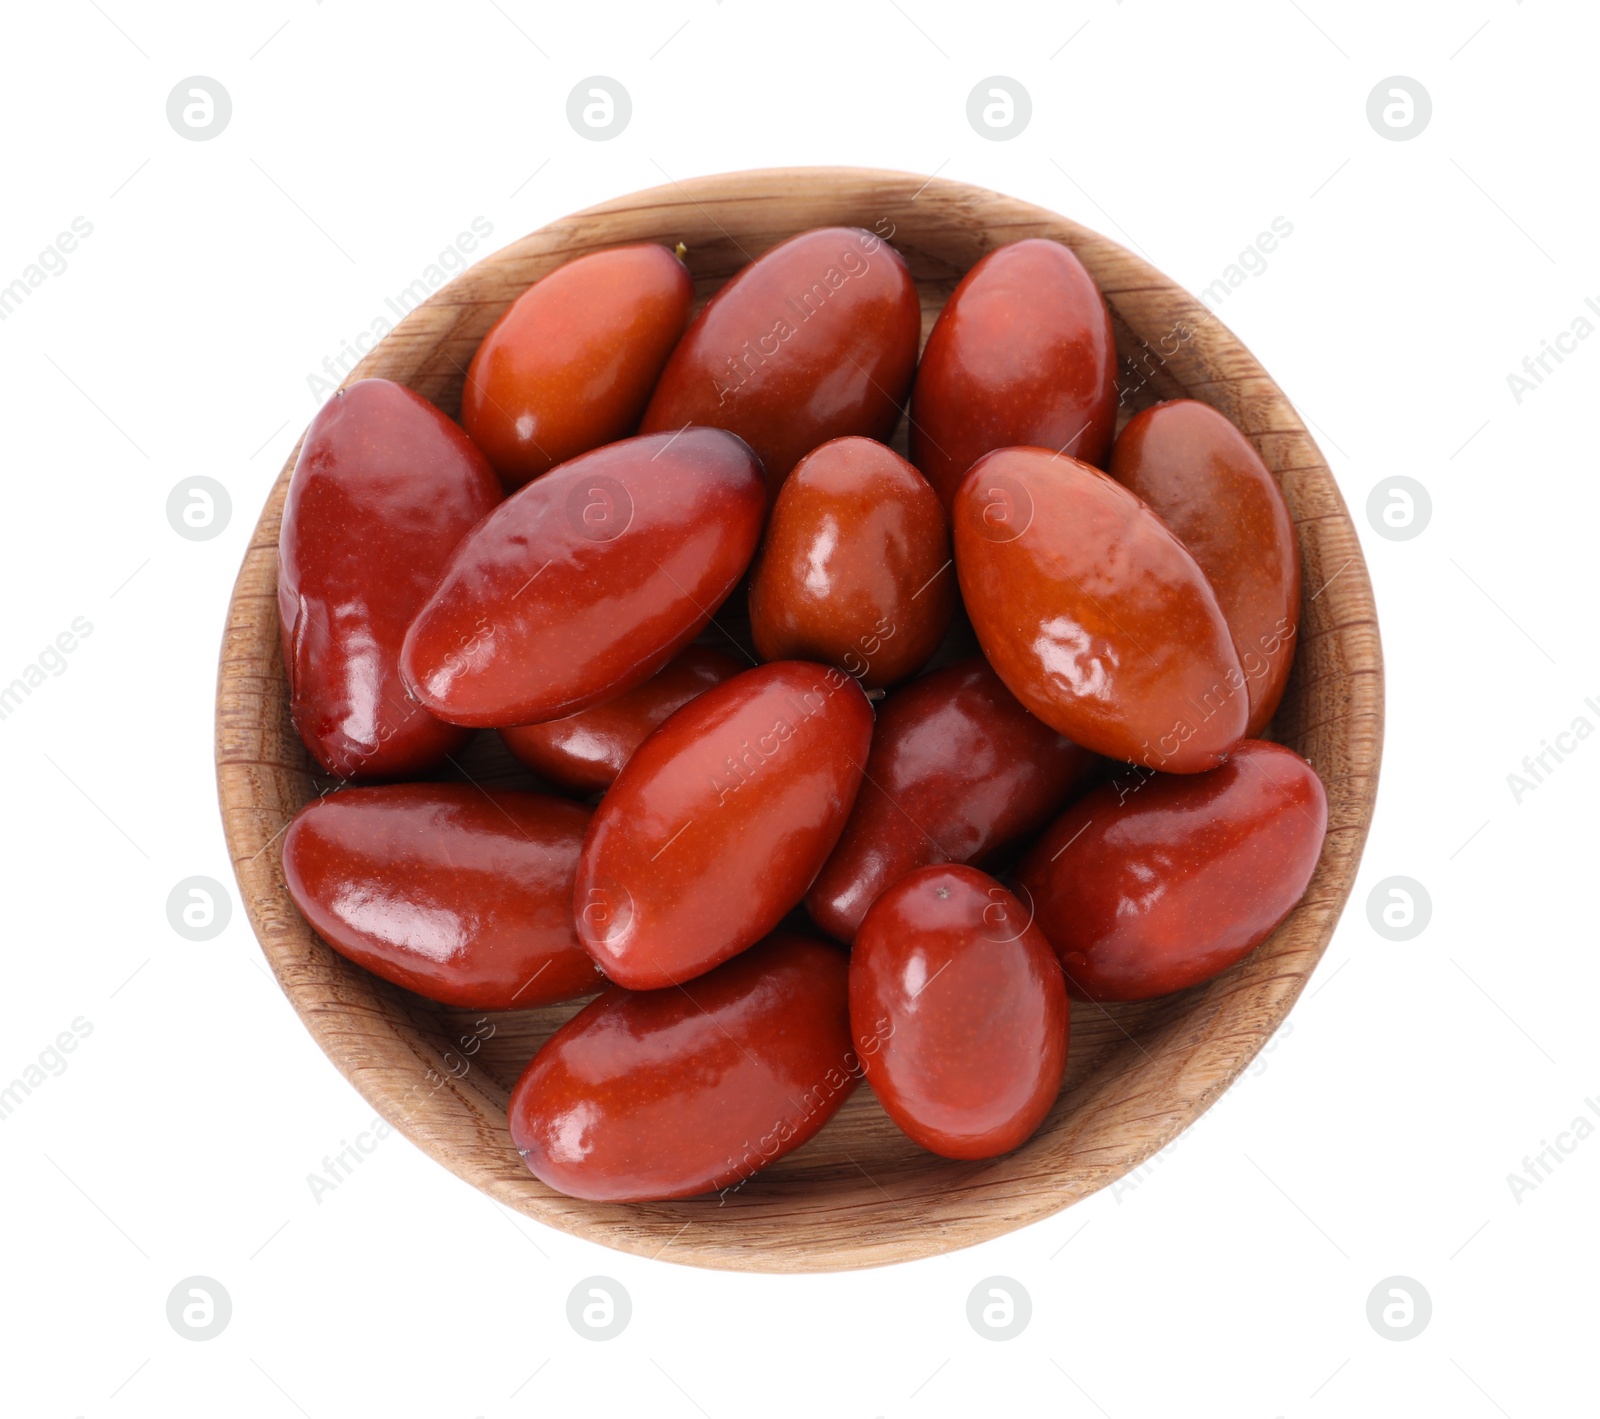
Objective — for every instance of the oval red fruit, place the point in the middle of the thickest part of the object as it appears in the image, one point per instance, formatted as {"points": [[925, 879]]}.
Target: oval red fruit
{"points": [[383, 490], [1205, 480], [584, 752], [571, 364], [1022, 354], [717, 824], [958, 771], [1094, 614], [461, 894], [855, 567], [958, 1012], [646, 1095], [587, 581], [814, 340], [1147, 888]]}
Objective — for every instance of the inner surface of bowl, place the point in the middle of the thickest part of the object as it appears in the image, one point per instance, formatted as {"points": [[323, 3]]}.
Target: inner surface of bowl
{"points": [[860, 1193]]}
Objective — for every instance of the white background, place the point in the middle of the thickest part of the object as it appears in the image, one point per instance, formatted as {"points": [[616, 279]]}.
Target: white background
{"points": [[1375, 1138]]}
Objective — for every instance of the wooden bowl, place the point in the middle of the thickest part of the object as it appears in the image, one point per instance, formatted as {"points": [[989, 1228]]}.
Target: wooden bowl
{"points": [[860, 1193]]}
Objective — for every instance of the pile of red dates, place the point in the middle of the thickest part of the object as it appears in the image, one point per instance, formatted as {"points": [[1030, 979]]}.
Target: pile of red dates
{"points": [[784, 856]]}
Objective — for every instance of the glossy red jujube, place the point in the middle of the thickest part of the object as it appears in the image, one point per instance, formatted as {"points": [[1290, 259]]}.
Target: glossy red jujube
{"points": [[646, 1095], [571, 364], [855, 567], [958, 1012], [717, 824], [1149, 889], [1094, 614], [587, 581], [383, 490], [1204, 479], [814, 340], [461, 894], [957, 772], [1022, 354], [584, 752]]}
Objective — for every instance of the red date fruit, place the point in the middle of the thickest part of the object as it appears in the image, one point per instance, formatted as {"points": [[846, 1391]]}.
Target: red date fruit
{"points": [[571, 364], [383, 490], [717, 824], [645, 1095], [1022, 354], [1149, 889], [855, 567], [1094, 614], [957, 772], [587, 581], [958, 1012], [815, 340], [1204, 479], [461, 894], [584, 752]]}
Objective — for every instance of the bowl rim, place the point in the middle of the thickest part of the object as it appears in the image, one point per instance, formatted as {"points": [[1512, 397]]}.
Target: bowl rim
{"points": [[391, 1046]]}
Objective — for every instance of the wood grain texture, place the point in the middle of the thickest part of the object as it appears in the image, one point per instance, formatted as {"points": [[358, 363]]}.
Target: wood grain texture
{"points": [[860, 1194]]}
